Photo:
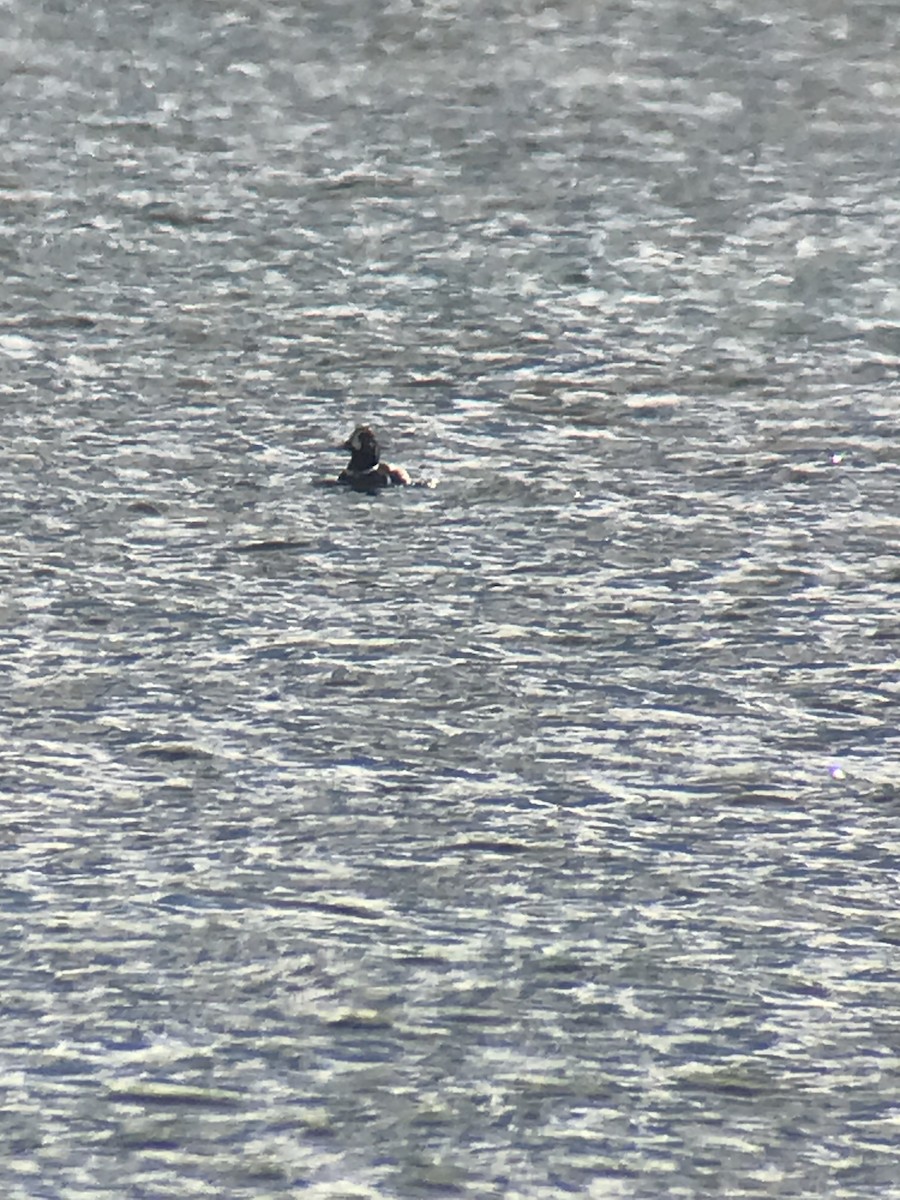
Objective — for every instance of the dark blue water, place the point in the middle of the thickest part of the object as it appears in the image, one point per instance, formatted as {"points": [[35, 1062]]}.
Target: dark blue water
{"points": [[530, 834]]}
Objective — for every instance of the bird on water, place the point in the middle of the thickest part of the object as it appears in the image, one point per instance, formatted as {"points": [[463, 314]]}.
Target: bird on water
{"points": [[366, 472]]}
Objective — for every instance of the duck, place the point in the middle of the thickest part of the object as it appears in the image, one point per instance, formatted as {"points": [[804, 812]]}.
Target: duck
{"points": [[366, 472]]}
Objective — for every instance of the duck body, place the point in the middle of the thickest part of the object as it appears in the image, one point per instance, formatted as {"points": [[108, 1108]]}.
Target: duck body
{"points": [[366, 472]]}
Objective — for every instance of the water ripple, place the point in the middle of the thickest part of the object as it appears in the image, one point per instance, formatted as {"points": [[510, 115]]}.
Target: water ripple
{"points": [[524, 834]]}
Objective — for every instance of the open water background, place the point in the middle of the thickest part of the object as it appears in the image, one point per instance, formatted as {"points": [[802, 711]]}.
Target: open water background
{"points": [[533, 834]]}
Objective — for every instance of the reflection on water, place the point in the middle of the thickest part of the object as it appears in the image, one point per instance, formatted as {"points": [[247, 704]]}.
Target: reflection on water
{"points": [[529, 834]]}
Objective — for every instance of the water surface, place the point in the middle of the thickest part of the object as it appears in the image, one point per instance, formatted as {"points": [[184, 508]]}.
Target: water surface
{"points": [[526, 835]]}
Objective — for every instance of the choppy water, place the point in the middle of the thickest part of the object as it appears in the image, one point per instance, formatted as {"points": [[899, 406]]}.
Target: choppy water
{"points": [[529, 835]]}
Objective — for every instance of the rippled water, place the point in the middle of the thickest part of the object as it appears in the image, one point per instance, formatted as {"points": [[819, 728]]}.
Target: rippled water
{"points": [[527, 835]]}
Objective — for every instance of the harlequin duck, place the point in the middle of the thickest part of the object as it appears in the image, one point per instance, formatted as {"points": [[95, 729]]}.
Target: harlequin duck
{"points": [[365, 472]]}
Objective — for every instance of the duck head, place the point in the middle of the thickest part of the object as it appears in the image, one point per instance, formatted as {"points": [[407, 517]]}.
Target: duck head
{"points": [[364, 449]]}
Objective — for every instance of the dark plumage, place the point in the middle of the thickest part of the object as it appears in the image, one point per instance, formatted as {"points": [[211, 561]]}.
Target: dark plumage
{"points": [[366, 472]]}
